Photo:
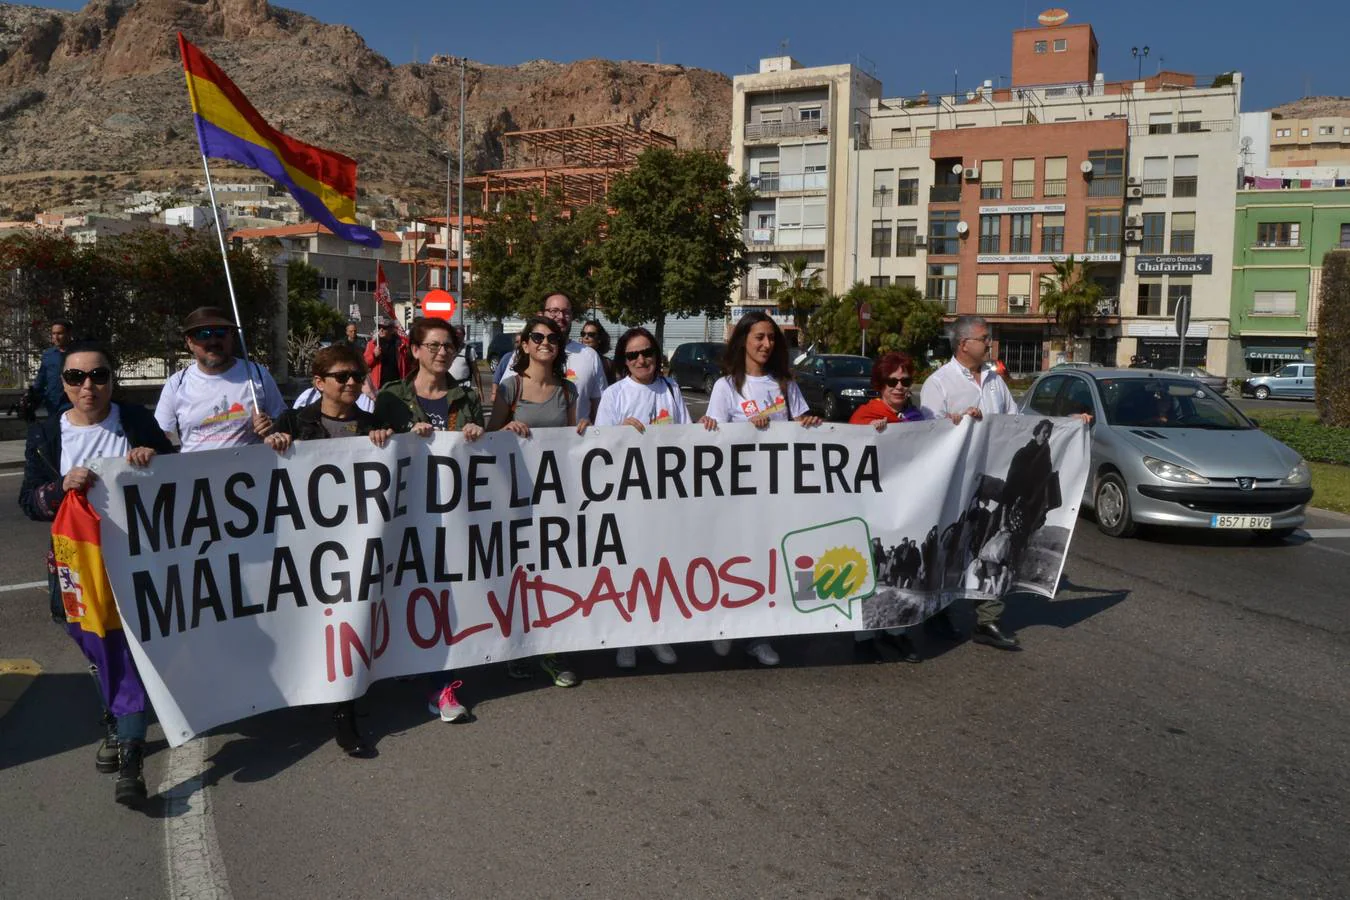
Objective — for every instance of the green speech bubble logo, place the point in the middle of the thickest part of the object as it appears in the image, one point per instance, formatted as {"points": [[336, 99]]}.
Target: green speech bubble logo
{"points": [[829, 565]]}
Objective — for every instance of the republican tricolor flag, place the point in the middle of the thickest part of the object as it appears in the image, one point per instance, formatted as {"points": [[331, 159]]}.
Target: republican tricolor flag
{"points": [[228, 127]]}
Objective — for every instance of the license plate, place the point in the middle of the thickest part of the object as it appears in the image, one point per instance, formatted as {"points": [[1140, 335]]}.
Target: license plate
{"points": [[1257, 522]]}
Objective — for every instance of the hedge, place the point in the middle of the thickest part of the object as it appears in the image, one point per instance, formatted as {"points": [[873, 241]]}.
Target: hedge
{"points": [[1323, 443], [1333, 340]]}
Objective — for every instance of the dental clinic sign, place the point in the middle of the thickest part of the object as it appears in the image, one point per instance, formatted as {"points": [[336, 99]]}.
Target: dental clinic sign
{"points": [[1174, 264]]}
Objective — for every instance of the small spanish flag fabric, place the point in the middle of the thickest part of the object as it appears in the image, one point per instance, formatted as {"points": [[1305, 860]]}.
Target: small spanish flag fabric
{"points": [[228, 127], [91, 610]]}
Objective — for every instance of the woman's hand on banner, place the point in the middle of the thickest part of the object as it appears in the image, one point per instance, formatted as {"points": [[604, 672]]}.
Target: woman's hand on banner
{"points": [[583, 425], [636, 423], [141, 456], [280, 442], [879, 425], [380, 436], [77, 479], [472, 431], [423, 429], [708, 423], [519, 429], [810, 421]]}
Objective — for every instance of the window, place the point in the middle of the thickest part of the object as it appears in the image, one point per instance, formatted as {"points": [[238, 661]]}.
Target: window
{"points": [[1275, 303], [1190, 123], [1056, 180], [1184, 172], [1345, 235], [1041, 47], [1303, 132], [1155, 176], [1183, 232], [1021, 233], [1046, 393], [1345, 132], [1176, 289], [1159, 123], [1019, 286], [1077, 398], [906, 281], [881, 187], [1052, 233], [991, 179], [879, 281], [905, 234], [1103, 231], [766, 288], [771, 116], [986, 294], [942, 236], [942, 285], [357, 284], [1153, 233], [1024, 179], [1282, 132], [990, 239], [908, 193], [1108, 173], [768, 175], [1061, 44], [808, 114], [1149, 298], [881, 238], [813, 221], [1277, 234], [329, 284], [1326, 129]]}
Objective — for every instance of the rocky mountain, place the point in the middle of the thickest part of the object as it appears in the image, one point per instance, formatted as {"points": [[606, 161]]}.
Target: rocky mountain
{"points": [[1312, 108], [93, 101]]}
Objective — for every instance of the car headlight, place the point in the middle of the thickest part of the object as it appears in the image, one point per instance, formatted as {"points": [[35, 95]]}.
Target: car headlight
{"points": [[1172, 472], [853, 392], [1300, 474]]}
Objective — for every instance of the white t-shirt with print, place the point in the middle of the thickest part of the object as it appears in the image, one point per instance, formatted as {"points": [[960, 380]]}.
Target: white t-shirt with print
{"points": [[587, 373], [760, 395], [82, 443], [213, 411], [658, 403]]}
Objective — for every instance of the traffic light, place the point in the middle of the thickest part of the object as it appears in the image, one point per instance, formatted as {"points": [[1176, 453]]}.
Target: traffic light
{"points": [[407, 316]]}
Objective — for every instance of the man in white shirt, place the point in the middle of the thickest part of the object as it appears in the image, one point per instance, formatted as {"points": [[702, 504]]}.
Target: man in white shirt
{"points": [[211, 403], [584, 368], [964, 386]]}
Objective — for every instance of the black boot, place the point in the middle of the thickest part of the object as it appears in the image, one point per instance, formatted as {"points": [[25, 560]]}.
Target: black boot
{"points": [[344, 730], [130, 787], [107, 759]]}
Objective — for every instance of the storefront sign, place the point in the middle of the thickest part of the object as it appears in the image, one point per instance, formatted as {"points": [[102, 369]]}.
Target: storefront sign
{"points": [[1048, 258], [1022, 208], [1174, 264]]}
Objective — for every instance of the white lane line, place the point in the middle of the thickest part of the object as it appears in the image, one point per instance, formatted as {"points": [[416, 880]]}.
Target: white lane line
{"points": [[196, 870], [23, 587], [1328, 532], [1318, 546], [10, 474]]}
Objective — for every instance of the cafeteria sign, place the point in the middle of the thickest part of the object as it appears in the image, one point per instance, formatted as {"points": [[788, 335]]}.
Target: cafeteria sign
{"points": [[1174, 264]]}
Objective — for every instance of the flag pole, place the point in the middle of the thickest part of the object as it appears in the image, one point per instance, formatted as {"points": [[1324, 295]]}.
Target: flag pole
{"points": [[229, 281]]}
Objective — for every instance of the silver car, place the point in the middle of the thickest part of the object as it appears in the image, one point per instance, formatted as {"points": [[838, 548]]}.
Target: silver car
{"points": [[1217, 382], [1168, 450], [1297, 380]]}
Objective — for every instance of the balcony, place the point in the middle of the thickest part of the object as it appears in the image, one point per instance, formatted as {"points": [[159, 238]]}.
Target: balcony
{"points": [[881, 197], [1144, 128], [991, 192], [1184, 186], [944, 193], [1020, 243], [1107, 307], [761, 236], [1268, 313], [1107, 186], [986, 304], [1155, 187], [1152, 243], [1023, 190], [792, 181], [1103, 243], [1056, 187], [772, 131]]}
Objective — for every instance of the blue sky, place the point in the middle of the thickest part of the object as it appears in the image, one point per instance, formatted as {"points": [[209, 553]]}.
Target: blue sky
{"points": [[1284, 52]]}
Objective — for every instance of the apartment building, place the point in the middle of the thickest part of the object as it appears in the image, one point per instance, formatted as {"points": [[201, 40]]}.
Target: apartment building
{"points": [[1312, 141]]}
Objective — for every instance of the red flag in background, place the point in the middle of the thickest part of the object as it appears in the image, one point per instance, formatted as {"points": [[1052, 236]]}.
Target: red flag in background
{"points": [[383, 298]]}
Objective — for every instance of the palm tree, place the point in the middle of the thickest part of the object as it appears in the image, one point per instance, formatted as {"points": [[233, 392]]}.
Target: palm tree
{"points": [[1070, 298], [800, 291]]}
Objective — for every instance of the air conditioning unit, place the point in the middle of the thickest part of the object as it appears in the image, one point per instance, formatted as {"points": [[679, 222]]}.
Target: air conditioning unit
{"points": [[972, 174], [920, 240], [1016, 301], [1134, 181], [1134, 222], [1134, 193], [1134, 235]]}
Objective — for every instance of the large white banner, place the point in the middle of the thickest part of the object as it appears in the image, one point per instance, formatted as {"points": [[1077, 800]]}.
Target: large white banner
{"points": [[249, 581]]}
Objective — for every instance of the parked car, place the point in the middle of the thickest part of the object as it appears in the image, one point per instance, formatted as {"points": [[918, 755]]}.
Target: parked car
{"points": [[1168, 450], [499, 345], [1216, 382], [697, 364], [1297, 380], [835, 384], [1077, 365]]}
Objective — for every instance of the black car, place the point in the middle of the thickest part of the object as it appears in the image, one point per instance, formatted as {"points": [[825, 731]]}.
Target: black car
{"points": [[835, 384], [697, 365], [500, 344]]}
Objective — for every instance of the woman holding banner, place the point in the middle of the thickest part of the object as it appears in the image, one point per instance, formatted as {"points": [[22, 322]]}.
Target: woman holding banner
{"points": [[537, 394], [339, 371], [758, 388], [427, 401], [642, 396], [56, 466]]}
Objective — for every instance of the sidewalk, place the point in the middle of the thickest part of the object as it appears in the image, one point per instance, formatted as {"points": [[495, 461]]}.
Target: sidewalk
{"points": [[11, 455]]}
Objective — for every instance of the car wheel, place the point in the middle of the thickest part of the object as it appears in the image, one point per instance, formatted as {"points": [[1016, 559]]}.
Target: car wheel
{"points": [[831, 407], [1261, 393], [708, 382], [1112, 505]]}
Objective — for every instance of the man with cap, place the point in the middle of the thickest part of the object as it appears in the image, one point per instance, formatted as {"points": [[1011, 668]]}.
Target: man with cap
{"points": [[387, 356], [211, 403]]}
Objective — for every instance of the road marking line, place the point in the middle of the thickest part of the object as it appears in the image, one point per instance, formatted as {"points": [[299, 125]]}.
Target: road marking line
{"points": [[1328, 532], [23, 587], [16, 676], [10, 474], [1318, 546], [195, 867]]}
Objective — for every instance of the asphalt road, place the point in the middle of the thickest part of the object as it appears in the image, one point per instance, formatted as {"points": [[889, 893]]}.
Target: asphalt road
{"points": [[1178, 725]]}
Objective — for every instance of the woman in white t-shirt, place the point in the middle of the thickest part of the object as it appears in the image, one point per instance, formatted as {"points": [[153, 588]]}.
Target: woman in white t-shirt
{"points": [[757, 388], [642, 396]]}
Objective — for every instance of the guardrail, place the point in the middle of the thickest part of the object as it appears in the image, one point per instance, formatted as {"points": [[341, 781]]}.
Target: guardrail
{"points": [[771, 130]]}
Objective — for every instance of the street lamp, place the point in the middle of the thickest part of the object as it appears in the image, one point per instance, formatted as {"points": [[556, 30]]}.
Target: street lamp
{"points": [[1139, 55]]}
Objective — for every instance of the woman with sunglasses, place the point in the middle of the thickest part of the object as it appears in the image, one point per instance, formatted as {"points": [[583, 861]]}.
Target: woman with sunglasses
{"points": [[339, 371], [758, 388], [594, 335], [537, 394], [642, 396], [427, 401], [57, 459]]}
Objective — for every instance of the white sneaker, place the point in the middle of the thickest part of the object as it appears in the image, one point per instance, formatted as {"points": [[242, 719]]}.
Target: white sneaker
{"points": [[763, 653], [665, 654], [721, 647], [627, 657], [447, 705]]}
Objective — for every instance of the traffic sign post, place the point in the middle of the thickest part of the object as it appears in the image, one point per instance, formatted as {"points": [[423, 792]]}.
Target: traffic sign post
{"points": [[864, 317], [1182, 322]]}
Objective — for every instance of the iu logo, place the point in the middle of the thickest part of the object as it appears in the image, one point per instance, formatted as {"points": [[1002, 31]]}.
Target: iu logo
{"points": [[1246, 484]]}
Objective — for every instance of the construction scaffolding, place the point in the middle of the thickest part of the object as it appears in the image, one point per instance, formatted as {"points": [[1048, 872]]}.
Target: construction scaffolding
{"points": [[579, 160]]}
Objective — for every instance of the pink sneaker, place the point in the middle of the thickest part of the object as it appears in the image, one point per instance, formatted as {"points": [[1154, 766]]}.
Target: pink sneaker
{"points": [[443, 702]]}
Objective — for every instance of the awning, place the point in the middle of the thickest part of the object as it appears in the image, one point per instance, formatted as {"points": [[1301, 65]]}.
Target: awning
{"points": [[1294, 354]]}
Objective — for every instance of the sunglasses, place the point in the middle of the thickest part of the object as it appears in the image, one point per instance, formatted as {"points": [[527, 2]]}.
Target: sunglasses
{"points": [[344, 376], [590, 334], [538, 337], [894, 382], [205, 334], [75, 377], [645, 353]]}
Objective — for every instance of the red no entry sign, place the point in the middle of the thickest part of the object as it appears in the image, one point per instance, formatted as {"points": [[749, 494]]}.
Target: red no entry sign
{"points": [[864, 314], [438, 303]]}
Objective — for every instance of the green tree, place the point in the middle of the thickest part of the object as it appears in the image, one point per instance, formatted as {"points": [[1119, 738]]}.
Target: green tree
{"points": [[800, 292], [901, 320], [674, 243], [1070, 297], [306, 310], [1333, 339]]}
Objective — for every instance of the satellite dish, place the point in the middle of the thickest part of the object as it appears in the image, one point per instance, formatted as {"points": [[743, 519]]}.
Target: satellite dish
{"points": [[957, 169], [1246, 142], [1085, 167], [962, 228], [1053, 17]]}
